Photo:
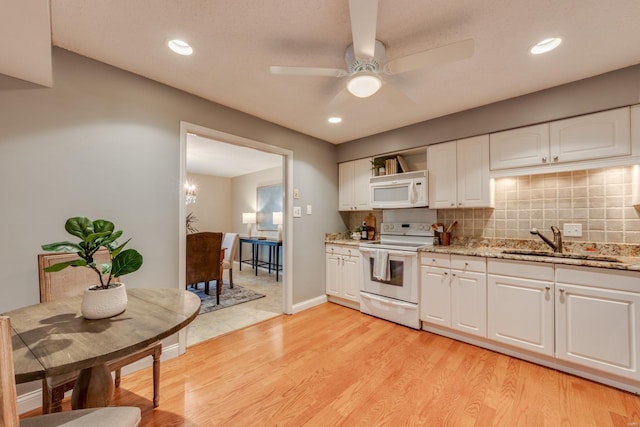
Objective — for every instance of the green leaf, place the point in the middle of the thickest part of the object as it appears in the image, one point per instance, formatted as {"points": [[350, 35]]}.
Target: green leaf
{"points": [[126, 262], [79, 226], [92, 238], [102, 225], [108, 240], [62, 247], [105, 268], [62, 265], [116, 250]]}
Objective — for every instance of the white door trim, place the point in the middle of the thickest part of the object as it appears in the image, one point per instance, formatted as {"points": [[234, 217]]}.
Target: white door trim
{"points": [[287, 235]]}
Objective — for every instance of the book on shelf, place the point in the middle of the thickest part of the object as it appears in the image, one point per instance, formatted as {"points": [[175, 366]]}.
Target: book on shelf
{"points": [[391, 166]]}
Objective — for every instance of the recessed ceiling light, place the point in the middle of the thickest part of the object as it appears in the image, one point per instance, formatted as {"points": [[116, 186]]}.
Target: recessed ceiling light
{"points": [[180, 47], [546, 45], [334, 120]]}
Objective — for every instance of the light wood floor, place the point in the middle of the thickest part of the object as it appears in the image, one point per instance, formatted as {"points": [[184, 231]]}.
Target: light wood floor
{"points": [[335, 366]]}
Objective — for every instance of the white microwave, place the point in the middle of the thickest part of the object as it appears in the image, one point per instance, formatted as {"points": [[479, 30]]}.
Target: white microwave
{"points": [[401, 190]]}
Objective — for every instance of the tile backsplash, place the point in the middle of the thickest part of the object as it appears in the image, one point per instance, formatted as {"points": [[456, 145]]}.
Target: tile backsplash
{"points": [[598, 199]]}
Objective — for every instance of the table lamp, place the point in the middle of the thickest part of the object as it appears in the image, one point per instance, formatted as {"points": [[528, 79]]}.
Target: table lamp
{"points": [[277, 220], [249, 218]]}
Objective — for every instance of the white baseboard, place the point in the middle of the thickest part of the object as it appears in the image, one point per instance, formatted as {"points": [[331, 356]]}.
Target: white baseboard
{"points": [[305, 305], [31, 400]]}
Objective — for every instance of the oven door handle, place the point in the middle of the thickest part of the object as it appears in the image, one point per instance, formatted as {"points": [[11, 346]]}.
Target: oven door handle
{"points": [[404, 254], [386, 301]]}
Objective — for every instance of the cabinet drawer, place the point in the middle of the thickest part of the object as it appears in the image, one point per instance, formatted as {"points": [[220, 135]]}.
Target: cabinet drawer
{"points": [[342, 250], [435, 260], [524, 269], [628, 281], [469, 263]]}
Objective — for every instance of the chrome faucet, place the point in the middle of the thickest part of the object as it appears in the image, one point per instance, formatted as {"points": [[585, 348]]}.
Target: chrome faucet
{"points": [[556, 245]]}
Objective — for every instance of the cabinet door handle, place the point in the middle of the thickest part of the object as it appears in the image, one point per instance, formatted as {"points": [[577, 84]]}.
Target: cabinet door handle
{"points": [[555, 158], [544, 159], [548, 287], [453, 204], [446, 273], [561, 289], [453, 274]]}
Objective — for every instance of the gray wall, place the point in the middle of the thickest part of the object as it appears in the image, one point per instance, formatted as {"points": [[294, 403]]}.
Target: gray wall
{"points": [[105, 143], [611, 90], [212, 208], [244, 197]]}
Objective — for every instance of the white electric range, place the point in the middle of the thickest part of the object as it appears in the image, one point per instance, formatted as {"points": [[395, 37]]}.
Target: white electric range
{"points": [[391, 271]]}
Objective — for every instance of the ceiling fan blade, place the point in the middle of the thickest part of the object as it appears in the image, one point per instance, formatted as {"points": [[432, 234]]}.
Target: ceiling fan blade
{"points": [[338, 102], [364, 17], [440, 55], [307, 71], [396, 97]]}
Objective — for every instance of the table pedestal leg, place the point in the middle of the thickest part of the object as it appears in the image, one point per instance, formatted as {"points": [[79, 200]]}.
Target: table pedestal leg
{"points": [[93, 389]]}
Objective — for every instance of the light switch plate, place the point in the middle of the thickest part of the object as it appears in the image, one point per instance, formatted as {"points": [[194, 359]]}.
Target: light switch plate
{"points": [[308, 209], [572, 230], [297, 211], [296, 193]]}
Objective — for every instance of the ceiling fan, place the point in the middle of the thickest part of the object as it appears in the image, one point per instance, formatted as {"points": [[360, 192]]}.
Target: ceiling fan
{"points": [[365, 56]]}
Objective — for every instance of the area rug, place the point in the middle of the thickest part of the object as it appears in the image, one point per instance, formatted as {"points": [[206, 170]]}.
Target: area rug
{"points": [[229, 296]]}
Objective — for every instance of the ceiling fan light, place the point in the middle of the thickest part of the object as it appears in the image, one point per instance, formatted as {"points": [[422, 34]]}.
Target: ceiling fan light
{"points": [[364, 85]]}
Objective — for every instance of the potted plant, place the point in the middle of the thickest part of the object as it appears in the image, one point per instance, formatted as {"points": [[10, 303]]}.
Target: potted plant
{"points": [[377, 165], [109, 297]]}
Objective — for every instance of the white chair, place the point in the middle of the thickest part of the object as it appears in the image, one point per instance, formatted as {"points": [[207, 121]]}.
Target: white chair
{"points": [[124, 416], [230, 244]]}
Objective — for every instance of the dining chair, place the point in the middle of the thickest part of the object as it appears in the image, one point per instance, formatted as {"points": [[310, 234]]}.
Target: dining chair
{"points": [[230, 245], [123, 416], [204, 260], [72, 282]]}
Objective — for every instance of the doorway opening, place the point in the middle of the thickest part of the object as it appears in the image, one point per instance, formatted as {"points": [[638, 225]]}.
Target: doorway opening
{"points": [[230, 198]]}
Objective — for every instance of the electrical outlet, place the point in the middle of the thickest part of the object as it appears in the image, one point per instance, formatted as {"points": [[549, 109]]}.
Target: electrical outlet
{"points": [[572, 230], [297, 211]]}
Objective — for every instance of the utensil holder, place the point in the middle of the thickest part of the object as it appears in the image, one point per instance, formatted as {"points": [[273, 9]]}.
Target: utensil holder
{"points": [[445, 238]]}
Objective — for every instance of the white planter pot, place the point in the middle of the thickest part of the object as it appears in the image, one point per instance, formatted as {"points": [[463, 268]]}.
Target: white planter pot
{"points": [[104, 303]]}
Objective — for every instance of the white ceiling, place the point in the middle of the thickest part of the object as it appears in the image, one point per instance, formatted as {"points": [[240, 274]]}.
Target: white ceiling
{"points": [[236, 41], [209, 157]]}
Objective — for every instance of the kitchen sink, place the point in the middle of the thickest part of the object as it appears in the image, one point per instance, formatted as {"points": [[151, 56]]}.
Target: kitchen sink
{"points": [[560, 255]]}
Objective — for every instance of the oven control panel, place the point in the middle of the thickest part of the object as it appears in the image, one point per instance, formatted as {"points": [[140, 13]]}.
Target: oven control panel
{"points": [[406, 228]]}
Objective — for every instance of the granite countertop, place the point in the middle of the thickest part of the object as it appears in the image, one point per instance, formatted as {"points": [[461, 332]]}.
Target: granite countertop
{"points": [[590, 259], [613, 256], [346, 242]]}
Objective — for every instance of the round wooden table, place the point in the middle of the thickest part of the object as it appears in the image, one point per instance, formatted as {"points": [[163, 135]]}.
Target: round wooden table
{"points": [[53, 338]]}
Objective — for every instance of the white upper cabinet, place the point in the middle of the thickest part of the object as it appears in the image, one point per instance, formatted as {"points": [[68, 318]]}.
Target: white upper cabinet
{"points": [[459, 174], [590, 137], [528, 146], [474, 183], [441, 163], [594, 136], [353, 185]]}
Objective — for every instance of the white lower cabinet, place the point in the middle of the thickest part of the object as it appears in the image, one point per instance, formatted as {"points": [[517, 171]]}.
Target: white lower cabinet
{"points": [[597, 315], [343, 271], [520, 304], [583, 320], [454, 292]]}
